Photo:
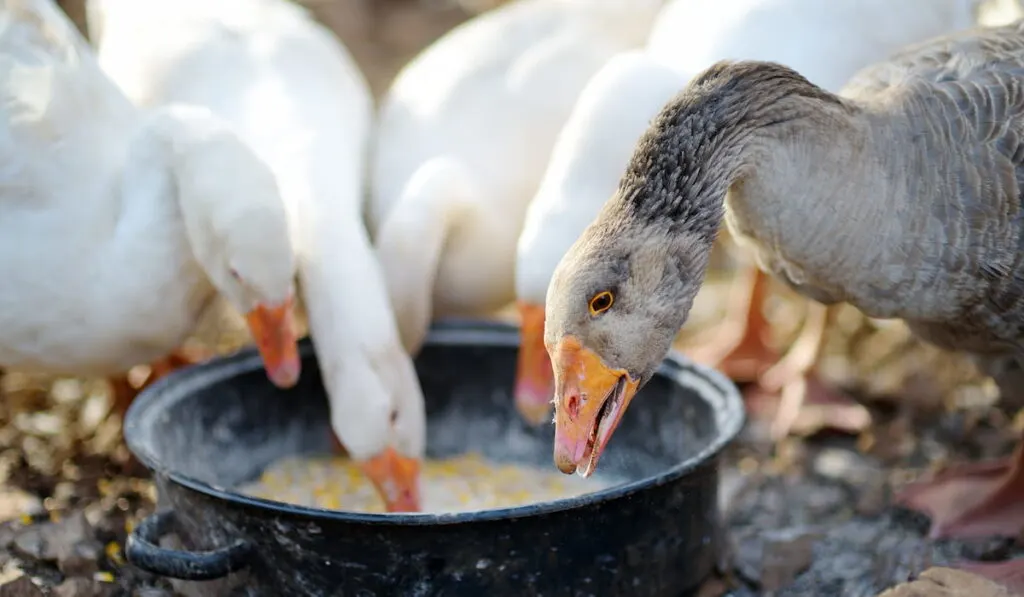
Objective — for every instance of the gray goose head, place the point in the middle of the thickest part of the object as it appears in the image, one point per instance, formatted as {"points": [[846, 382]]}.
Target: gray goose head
{"points": [[622, 291]]}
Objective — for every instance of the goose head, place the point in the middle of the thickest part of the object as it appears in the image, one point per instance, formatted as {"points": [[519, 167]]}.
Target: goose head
{"points": [[587, 160], [377, 413], [626, 286], [237, 228], [616, 302], [377, 409]]}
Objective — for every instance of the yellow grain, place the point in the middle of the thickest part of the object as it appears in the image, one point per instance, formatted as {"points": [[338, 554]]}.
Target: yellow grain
{"points": [[103, 577], [463, 483]]}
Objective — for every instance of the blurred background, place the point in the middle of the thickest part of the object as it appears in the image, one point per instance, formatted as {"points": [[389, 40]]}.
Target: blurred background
{"points": [[57, 440], [60, 448], [45, 424]]}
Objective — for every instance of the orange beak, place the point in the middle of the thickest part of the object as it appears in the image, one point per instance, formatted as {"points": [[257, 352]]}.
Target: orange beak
{"points": [[273, 329], [534, 378], [590, 399], [396, 478]]}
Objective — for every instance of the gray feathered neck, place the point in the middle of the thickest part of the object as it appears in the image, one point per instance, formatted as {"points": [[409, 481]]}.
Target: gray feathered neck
{"points": [[704, 138]]}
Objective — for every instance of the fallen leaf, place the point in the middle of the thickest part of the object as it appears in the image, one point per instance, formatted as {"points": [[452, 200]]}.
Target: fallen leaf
{"points": [[947, 582]]}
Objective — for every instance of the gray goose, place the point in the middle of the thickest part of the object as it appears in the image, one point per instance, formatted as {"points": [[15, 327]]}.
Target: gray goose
{"points": [[901, 195]]}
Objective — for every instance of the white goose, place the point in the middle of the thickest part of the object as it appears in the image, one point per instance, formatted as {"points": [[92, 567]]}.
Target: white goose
{"points": [[464, 135], [825, 41], [292, 91], [118, 226]]}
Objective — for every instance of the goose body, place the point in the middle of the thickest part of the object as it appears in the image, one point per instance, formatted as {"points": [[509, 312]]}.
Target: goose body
{"points": [[945, 253], [118, 226], [463, 139], [826, 42], [901, 195], [293, 93]]}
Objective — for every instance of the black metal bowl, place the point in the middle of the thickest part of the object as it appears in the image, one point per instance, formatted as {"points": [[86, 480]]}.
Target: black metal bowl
{"points": [[207, 429]]}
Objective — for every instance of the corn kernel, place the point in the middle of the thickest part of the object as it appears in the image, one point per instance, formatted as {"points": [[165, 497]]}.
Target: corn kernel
{"points": [[103, 576]]}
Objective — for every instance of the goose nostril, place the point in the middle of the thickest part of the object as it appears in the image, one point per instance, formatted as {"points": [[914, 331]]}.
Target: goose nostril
{"points": [[572, 404]]}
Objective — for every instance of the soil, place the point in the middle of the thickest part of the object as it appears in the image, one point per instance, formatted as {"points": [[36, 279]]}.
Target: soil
{"points": [[813, 516], [806, 516]]}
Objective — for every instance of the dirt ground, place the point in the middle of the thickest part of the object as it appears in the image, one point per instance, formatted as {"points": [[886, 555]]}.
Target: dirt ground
{"points": [[808, 516]]}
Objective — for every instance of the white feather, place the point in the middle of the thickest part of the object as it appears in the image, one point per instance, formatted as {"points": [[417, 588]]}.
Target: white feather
{"points": [[465, 134], [293, 92], [111, 245]]}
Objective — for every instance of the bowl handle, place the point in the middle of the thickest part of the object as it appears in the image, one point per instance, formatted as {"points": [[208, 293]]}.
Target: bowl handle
{"points": [[143, 550]]}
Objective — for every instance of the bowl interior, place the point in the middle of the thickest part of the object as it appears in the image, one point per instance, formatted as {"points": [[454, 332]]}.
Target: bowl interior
{"points": [[221, 424]]}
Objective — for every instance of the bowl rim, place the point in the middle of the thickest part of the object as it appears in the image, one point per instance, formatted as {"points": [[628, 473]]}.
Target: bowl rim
{"points": [[723, 397]]}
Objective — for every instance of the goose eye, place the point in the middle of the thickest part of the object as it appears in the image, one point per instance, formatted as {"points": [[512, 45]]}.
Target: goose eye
{"points": [[235, 274], [601, 302]]}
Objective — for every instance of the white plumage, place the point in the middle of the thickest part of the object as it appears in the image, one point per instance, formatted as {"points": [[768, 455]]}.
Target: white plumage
{"points": [[294, 94], [465, 134], [112, 242]]}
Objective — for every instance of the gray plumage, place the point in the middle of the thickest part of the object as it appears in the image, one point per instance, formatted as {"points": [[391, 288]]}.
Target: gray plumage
{"points": [[901, 195]]}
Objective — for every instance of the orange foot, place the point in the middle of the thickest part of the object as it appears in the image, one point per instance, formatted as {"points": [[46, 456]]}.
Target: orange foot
{"points": [[974, 500], [802, 402], [784, 390], [804, 406], [741, 349], [125, 392]]}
